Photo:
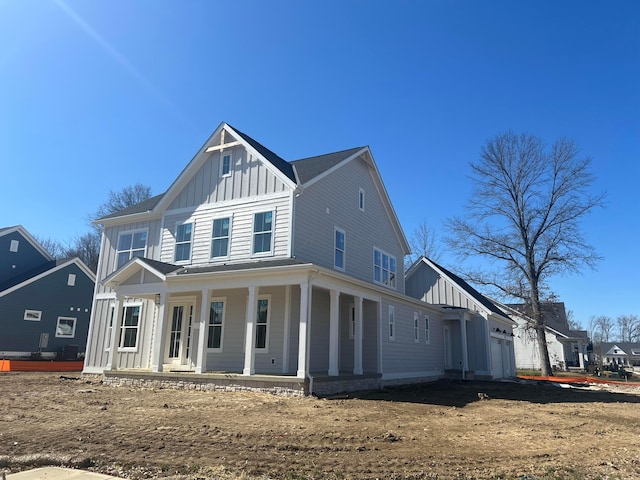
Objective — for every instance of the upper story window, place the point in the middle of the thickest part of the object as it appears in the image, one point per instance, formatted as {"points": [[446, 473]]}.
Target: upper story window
{"points": [[13, 246], [71, 279], [225, 165], [184, 234], [220, 237], [262, 232], [384, 268], [131, 244], [339, 248], [361, 200]]}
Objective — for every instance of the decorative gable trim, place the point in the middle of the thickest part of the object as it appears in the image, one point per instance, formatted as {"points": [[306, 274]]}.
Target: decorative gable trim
{"points": [[135, 265], [20, 229]]}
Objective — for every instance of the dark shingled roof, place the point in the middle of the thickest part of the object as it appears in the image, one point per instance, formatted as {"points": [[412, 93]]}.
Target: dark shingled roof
{"points": [[282, 165], [472, 291], [161, 267], [144, 206], [241, 266], [308, 168]]}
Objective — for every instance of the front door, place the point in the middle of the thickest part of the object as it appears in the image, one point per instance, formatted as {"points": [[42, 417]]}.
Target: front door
{"points": [[179, 337]]}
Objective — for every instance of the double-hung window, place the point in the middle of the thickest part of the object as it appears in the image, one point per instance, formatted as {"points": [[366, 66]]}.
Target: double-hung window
{"points": [[339, 248], [262, 324], [220, 237], [184, 234], [225, 165], [66, 327], [262, 232], [131, 244], [216, 323], [392, 323], [130, 327], [384, 268]]}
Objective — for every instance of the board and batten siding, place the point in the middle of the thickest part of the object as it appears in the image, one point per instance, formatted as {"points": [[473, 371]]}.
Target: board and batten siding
{"points": [[241, 215], [249, 177], [333, 202]]}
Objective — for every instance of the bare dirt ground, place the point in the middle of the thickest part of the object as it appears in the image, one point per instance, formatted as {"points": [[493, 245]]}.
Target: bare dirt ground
{"points": [[442, 430]]}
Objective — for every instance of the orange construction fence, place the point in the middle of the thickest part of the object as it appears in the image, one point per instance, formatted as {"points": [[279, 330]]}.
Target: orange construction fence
{"points": [[40, 366]]}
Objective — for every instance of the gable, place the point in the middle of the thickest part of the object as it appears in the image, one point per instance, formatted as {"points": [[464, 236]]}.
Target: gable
{"points": [[19, 253]]}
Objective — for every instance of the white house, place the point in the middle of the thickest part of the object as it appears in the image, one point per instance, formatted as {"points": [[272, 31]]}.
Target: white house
{"points": [[251, 271]]}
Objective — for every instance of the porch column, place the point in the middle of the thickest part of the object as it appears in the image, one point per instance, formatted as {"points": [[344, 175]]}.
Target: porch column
{"points": [[287, 329], [463, 337], [115, 334], [159, 337], [581, 354], [357, 338], [250, 333], [203, 334], [302, 331], [334, 332]]}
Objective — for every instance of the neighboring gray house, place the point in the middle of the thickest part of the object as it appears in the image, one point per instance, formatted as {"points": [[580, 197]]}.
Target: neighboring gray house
{"points": [[567, 348], [44, 303], [255, 269], [620, 353], [479, 342]]}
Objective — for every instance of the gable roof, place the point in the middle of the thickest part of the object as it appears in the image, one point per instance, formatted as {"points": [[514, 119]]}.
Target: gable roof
{"points": [[462, 284], [626, 348], [555, 316], [27, 236], [308, 168], [142, 207]]}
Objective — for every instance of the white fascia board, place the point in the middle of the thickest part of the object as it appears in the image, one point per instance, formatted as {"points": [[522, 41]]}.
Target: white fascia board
{"points": [[125, 272], [46, 273], [27, 236], [132, 218]]}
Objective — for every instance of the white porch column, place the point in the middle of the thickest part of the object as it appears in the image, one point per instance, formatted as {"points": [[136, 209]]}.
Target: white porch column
{"points": [[302, 331], [357, 338], [250, 333], [203, 333], [463, 337], [287, 329], [159, 337], [115, 334], [334, 332], [581, 354]]}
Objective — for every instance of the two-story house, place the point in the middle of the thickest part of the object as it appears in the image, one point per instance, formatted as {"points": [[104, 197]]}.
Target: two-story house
{"points": [[252, 268], [44, 303]]}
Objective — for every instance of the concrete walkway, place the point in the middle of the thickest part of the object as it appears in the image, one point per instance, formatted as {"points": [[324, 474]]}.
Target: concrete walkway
{"points": [[57, 473]]}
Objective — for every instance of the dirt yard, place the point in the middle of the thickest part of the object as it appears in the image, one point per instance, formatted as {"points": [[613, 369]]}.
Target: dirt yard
{"points": [[442, 430]]}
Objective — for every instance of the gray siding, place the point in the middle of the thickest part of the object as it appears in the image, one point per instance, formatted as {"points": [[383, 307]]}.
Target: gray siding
{"points": [[333, 202], [14, 264], [249, 178]]}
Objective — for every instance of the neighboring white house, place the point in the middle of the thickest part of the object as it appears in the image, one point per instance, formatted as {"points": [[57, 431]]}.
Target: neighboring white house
{"points": [[490, 353], [567, 348], [265, 273], [620, 353]]}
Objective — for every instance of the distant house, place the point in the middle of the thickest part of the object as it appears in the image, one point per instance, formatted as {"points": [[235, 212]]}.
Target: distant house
{"points": [[567, 348], [45, 304], [619, 353], [260, 272], [479, 344]]}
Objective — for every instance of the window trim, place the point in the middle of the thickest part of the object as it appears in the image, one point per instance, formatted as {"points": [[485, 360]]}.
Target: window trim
{"points": [[73, 329], [361, 199], [138, 328], [190, 242], [264, 349], [392, 278], [14, 245], [337, 230], [222, 300], [427, 330], [228, 237], [131, 250], [352, 321], [416, 328], [111, 318], [262, 232], [37, 315], [392, 322], [71, 280], [222, 156]]}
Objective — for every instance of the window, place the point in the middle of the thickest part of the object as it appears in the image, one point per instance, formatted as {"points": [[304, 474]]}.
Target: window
{"points": [[416, 329], [220, 238], [384, 268], [71, 279], [262, 324], [225, 165], [183, 242], [216, 321], [338, 258], [132, 244], [130, 327], [66, 327], [14, 246], [107, 338], [392, 323], [262, 230], [352, 320], [361, 200], [427, 335], [32, 315]]}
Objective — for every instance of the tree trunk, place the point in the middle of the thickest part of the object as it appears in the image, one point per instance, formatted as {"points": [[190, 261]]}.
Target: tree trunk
{"points": [[538, 317]]}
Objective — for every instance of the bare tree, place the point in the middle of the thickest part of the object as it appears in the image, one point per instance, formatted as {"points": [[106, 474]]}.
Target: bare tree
{"points": [[603, 328], [52, 246], [524, 216], [628, 328], [121, 199], [423, 242], [572, 322], [87, 248]]}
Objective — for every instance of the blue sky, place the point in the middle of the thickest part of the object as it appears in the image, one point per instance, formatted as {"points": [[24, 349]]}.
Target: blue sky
{"points": [[98, 95]]}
